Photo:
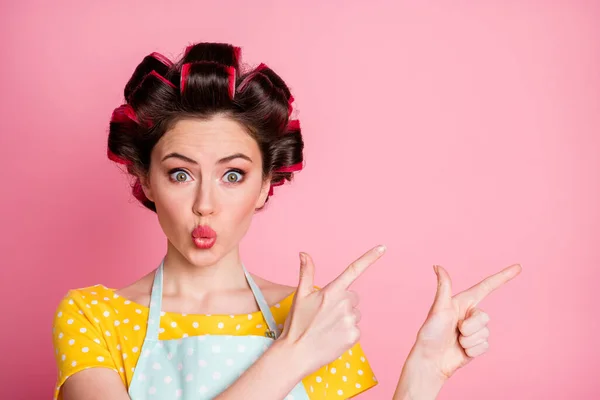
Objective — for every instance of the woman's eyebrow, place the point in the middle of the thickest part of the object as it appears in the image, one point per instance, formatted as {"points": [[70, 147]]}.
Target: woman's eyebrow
{"points": [[221, 161], [233, 157], [180, 156]]}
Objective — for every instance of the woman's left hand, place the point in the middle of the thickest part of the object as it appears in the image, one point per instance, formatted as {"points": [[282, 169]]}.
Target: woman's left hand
{"points": [[455, 330]]}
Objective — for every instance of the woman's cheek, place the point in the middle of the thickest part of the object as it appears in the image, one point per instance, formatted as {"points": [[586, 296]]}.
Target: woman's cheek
{"points": [[172, 215], [239, 212]]}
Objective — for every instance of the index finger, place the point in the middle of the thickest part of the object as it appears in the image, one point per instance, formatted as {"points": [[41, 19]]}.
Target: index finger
{"points": [[479, 291], [356, 269]]}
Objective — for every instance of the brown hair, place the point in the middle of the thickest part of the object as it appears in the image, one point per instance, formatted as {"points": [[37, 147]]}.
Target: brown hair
{"points": [[205, 82]]}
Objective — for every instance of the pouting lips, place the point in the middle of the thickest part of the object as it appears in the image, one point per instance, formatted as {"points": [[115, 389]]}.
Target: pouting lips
{"points": [[204, 231]]}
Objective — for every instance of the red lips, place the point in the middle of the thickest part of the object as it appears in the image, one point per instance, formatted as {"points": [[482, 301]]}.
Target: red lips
{"points": [[204, 232], [204, 237]]}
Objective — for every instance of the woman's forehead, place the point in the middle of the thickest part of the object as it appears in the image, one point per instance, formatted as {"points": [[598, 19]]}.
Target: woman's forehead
{"points": [[213, 138]]}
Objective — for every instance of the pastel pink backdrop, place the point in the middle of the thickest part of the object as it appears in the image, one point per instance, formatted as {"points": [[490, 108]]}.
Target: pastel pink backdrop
{"points": [[464, 134]]}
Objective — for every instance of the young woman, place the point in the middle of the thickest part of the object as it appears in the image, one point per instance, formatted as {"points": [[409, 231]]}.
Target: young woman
{"points": [[206, 143]]}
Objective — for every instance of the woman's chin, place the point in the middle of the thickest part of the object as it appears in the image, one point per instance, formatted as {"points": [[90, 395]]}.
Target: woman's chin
{"points": [[204, 257]]}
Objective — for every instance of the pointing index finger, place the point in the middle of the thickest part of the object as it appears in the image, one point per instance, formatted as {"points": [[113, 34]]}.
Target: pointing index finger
{"points": [[356, 269], [481, 290]]}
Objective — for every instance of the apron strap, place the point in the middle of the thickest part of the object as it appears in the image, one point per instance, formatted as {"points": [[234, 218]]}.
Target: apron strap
{"points": [[153, 328], [155, 304], [273, 332]]}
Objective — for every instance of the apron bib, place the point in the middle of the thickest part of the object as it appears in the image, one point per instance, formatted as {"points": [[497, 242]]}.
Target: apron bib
{"points": [[198, 367]]}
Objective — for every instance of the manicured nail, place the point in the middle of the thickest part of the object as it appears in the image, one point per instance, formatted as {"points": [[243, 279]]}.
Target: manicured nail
{"points": [[302, 259], [381, 249]]}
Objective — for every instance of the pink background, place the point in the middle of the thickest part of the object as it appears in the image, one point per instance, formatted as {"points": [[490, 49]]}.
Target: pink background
{"points": [[458, 133]]}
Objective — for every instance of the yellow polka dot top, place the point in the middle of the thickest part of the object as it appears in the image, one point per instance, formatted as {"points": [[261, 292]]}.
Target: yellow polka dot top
{"points": [[94, 327]]}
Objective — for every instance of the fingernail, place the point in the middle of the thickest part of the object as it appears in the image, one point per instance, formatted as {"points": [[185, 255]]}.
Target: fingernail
{"points": [[435, 269], [302, 259], [381, 249]]}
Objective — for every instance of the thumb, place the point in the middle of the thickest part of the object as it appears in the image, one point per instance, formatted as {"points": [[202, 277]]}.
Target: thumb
{"points": [[443, 295], [307, 275]]}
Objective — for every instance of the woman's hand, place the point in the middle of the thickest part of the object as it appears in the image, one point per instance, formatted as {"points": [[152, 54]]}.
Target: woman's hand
{"points": [[322, 324], [455, 330], [454, 333]]}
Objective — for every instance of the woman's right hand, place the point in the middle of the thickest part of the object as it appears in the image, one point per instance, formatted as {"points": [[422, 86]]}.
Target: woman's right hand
{"points": [[323, 324]]}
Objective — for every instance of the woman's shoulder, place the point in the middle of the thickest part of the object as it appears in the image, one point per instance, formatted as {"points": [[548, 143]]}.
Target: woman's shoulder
{"points": [[90, 302], [279, 297], [274, 292], [88, 294], [104, 296]]}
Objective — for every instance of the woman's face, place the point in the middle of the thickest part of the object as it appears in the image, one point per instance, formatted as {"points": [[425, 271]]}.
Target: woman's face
{"points": [[206, 172]]}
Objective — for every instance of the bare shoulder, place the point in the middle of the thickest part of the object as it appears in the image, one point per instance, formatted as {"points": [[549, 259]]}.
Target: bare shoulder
{"points": [[138, 291], [273, 292]]}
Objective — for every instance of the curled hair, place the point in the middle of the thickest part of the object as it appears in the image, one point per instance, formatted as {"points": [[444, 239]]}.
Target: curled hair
{"points": [[206, 81]]}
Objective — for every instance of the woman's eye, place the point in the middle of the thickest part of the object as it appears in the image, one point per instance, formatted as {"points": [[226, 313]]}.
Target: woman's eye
{"points": [[179, 176], [233, 177]]}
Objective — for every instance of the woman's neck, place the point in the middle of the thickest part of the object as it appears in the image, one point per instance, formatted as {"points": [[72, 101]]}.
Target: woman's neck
{"points": [[182, 278]]}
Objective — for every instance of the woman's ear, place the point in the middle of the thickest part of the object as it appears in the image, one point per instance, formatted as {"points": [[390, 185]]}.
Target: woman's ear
{"points": [[146, 188], [264, 193]]}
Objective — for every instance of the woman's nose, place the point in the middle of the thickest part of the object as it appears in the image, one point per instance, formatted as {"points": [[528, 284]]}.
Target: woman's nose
{"points": [[204, 203]]}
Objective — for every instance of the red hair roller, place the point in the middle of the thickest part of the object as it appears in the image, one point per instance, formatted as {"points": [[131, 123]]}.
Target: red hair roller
{"points": [[162, 59], [162, 78], [124, 113], [293, 125], [291, 168], [290, 107], [185, 71], [251, 76], [138, 192], [273, 185], [231, 73]]}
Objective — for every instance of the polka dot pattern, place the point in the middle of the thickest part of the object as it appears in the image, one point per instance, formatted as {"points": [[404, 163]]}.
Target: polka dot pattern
{"points": [[95, 329]]}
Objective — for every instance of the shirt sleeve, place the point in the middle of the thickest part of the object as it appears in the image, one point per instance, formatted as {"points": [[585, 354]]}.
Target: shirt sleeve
{"points": [[344, 378], [78, 342]]}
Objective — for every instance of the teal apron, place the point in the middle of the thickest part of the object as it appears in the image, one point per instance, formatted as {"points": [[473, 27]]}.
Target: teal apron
{"points": [[198, 367]]}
